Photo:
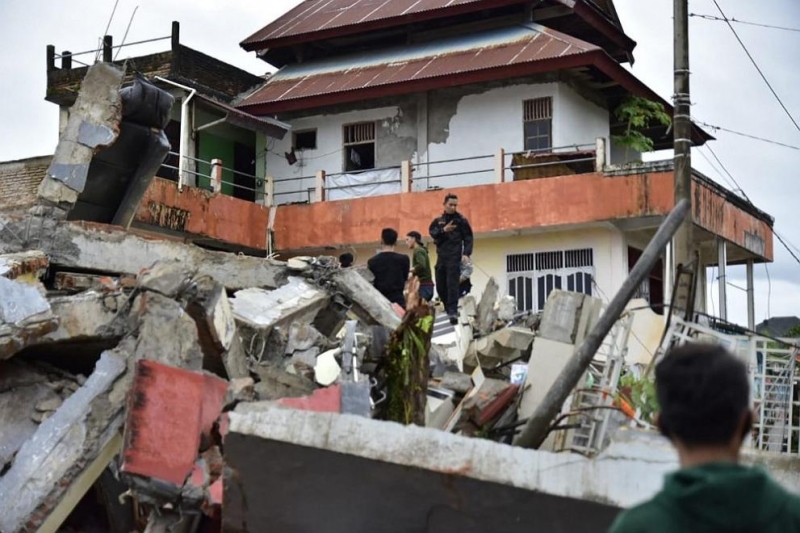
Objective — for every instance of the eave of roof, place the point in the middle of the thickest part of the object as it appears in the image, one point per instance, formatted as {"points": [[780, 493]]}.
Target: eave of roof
{"points": [[237, 117], [495, 55]]}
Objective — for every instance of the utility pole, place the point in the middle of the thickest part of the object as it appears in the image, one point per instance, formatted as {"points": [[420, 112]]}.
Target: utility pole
{"points": [[685, 258]]}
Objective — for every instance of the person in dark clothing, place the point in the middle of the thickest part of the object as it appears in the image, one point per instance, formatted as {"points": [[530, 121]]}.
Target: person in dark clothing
{"points": [[703, 393], [453, 237], [346, 260], [421, 264], [390, 269]]}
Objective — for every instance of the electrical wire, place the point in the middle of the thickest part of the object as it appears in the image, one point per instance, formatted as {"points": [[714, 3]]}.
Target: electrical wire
{"points": [[763, 77], [770, 26], [720, 174], [728, 173], [755, 137]]}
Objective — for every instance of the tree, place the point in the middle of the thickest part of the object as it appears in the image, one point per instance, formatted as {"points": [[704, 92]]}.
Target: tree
{"points": [[639, 113]]}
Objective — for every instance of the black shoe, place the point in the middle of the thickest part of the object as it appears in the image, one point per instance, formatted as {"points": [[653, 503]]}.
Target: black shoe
{"points": [[453, 319]]}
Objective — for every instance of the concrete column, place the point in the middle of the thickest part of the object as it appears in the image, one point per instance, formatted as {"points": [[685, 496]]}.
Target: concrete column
{"points": [[216, 175], [66, 60], [722, 252], [499, 166], [319, 187], [600, 154], [405, 176], [269, 191], [751, 301], [108, 43]]}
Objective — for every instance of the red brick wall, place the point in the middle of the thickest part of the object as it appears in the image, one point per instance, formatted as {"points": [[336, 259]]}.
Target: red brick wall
{"points": [[19, 181]]}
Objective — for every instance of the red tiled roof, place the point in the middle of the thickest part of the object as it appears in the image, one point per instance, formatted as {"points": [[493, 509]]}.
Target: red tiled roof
{"points": [[440, 61], [314, 16]]}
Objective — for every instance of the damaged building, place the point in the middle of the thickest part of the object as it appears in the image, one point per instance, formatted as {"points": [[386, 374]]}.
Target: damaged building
{"points": [[181, 351]]}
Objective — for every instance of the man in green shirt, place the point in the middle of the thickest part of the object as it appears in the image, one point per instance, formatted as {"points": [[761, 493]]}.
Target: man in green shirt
{"points": [[703, 392], [421, 264]]}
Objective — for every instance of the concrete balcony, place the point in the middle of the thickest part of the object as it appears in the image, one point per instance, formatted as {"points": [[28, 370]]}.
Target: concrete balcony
{"points": [[502, 198]]}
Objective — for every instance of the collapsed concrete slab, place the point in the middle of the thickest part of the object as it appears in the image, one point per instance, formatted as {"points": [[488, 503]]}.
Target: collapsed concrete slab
{"points": [[53, 461], [25, 316], [87, 316], [419, 479], [499, 346], [24, 266], [369, 304], [102, 248], [263, 310]]}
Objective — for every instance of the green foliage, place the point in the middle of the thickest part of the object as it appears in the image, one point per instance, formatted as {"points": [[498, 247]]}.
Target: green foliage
{"points": [[793, 332], [407, 369], [640, 393], [639, 113]]}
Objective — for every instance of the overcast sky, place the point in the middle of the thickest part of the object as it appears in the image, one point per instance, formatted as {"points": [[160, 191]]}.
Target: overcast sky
{"points": [[726, 89]]}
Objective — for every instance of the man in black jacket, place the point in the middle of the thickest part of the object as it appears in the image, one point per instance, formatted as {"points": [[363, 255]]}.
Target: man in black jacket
{"points": [[453, 237], [390, 269]]}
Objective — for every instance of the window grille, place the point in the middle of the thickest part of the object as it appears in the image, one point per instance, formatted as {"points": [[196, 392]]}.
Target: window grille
{"points": [[532, 277], [362, 132], [538, 109]]}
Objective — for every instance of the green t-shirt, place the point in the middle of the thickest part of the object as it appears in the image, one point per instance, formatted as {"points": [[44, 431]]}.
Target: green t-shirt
{"points": [[717, 497], [422, 265]]}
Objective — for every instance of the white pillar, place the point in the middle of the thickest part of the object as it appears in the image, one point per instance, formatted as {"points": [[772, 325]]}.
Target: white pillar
{"points": [[722, 251], [751, 301], [499, 166]]}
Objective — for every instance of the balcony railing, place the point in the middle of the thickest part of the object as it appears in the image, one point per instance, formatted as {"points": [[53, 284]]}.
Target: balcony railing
{"points": [[499, 167]]}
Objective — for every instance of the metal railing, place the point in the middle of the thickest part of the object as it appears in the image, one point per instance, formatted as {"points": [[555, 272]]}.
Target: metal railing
{"points": [[258, 189]]}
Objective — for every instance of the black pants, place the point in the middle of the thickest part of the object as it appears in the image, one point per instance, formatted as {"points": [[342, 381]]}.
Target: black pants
{"points": [[447, 274]]}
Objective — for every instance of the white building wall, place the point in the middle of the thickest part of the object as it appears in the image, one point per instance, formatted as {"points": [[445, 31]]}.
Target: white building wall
{"points": [[607, 243], [482, 123], [328, 155]]}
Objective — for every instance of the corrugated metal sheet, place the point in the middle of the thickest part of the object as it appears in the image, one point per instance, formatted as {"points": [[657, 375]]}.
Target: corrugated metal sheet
{"points": [[507, 46], [318, 15]]}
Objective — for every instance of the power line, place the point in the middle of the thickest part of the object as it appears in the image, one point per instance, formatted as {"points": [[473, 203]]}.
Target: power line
{"points": [[762, 139], [769, 291], [746, 51], [712, 17], [719, 173], [739, 187]]}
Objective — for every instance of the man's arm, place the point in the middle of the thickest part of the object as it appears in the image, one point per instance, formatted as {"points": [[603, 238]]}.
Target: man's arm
{"points": [[419, 262], [406, 267], [436, 230], [466, 235]]}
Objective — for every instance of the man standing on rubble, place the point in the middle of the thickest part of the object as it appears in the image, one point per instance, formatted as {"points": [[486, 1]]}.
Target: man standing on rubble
{"points": [[453, 237], [703, 392], [390, 269], [421, 264]]}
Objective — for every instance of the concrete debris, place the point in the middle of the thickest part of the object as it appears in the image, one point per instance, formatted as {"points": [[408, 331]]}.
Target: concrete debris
{"points": [[50, 461], [24, 266], [25, 316], [326, 369]]}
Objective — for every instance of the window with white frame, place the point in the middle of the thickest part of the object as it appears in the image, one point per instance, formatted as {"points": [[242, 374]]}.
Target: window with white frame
{"points": [[533, 276], [538, 124], [359, 146]]}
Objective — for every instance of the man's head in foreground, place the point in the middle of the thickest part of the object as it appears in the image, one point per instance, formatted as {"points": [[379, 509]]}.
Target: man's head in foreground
{"points": [[703, 392], [388, 237]]}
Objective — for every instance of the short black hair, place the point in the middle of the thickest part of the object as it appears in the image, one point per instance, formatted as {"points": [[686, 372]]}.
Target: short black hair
{"points": [[703, 391], [449, 196], [346, 259], [417, 236], [388, 236]]}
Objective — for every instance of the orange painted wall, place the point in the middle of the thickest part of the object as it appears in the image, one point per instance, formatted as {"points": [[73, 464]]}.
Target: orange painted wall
{"points": [[544, 202], [711, 211], [536, 203], [205, 214]]}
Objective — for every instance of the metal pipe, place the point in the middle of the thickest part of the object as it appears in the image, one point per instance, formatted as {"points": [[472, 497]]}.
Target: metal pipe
{"points": [[538, 425], [185, 133]]}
